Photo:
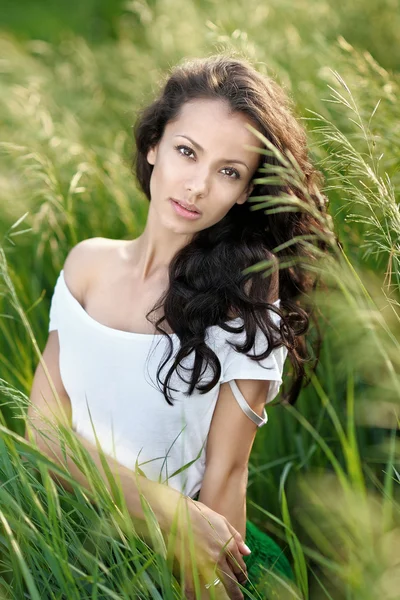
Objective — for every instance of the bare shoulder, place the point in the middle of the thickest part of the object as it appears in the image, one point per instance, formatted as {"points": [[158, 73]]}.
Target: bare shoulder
{"points": [[83, 263]]}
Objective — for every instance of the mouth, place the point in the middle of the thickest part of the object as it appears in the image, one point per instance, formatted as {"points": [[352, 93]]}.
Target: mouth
{"points": [[186, 206], [184, 212]]}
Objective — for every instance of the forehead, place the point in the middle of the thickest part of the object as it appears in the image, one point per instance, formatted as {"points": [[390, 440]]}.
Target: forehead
{"points": [[213, 125]]}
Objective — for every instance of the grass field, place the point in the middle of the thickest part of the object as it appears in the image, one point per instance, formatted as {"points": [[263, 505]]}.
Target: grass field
{"points": [[324, 475]]}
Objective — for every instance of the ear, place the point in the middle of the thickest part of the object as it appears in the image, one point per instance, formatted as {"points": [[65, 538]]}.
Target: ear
{"points": [[152, 155], [246, 193]]}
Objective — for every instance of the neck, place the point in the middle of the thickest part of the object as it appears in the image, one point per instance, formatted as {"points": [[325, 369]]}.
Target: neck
{"points": [[155, 248]]}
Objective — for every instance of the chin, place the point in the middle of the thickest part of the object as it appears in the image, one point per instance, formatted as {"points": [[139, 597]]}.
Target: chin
{"points": [[179, 228]]}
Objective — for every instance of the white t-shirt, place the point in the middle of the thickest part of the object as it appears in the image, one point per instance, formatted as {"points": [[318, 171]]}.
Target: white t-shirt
{"points": [[112, 374]]}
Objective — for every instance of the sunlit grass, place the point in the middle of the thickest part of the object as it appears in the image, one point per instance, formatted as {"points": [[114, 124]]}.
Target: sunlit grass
{"points": [[324, 474]]}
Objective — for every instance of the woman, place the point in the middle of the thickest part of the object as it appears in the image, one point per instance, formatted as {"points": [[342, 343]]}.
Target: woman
{"points": [[197, 162]]}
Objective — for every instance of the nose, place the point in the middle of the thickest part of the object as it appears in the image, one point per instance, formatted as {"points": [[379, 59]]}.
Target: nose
{"points": [[197, 186]]}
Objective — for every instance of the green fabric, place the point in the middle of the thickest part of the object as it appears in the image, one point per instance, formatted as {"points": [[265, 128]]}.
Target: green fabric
{"points": [[266, 553]]}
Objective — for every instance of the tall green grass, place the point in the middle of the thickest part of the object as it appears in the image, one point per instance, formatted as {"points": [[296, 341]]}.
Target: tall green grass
{"points": [[324, 474]]}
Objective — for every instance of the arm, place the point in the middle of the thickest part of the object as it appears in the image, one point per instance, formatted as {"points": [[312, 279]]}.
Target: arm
{"points": [[44, 405], [231, 438], [50, 401], [229, 445]]}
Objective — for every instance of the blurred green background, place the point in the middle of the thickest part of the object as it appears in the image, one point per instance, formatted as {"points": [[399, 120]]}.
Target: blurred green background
{"points": [[72, 76]]}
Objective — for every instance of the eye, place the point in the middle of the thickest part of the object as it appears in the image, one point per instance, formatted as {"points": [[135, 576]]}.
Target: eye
{"points": [[181, 146], [234, 171], [187, 151]]}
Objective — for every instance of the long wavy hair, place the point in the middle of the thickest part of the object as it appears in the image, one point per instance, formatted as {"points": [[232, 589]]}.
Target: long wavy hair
{"points": [[209, 281]]}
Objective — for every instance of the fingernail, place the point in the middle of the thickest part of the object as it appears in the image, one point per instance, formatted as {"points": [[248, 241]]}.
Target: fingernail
{"points": [[247, 549]]}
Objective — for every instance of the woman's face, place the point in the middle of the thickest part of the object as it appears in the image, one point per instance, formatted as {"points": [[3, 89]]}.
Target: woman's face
{"points": [[202, 160]]}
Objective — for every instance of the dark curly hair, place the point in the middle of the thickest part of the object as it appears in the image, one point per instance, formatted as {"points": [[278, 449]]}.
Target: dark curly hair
{"points": [[209, 277]]}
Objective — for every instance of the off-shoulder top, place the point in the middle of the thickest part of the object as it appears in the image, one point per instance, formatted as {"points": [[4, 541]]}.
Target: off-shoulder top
{"points": [[110, 377]]}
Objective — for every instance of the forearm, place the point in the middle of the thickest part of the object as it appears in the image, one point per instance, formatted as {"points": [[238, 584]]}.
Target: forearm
{"points": [[226, 494], [163, 499]]}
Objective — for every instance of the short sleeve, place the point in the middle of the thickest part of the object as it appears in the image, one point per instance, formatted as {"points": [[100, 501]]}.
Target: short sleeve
{"points": [[237, 365], [53, 314]]}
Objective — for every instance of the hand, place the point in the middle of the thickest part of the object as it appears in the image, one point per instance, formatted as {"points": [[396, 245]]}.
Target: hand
{"points": [[218, 549]]}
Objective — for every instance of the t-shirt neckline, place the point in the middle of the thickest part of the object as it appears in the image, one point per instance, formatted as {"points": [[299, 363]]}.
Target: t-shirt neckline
{"points": [[120, 332]]}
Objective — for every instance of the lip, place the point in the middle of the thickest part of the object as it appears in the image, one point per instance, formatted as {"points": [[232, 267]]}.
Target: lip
{"points": [[186, 205], [182, 212]]}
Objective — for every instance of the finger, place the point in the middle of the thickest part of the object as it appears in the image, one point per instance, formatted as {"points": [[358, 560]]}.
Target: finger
{"points": [[232, 552], [187, 583], [233, 549], [189, 594], [236, 564], [209, 574], [236, 536], [238, 567], [229, 580]]}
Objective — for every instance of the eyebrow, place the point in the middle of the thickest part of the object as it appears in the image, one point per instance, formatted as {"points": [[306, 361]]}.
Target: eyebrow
{"points": [[228, 160]]}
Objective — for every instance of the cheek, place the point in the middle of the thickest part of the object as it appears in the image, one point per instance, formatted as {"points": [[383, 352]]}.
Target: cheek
{"points": [[228, 193], [172, 170], [163, 177]]}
